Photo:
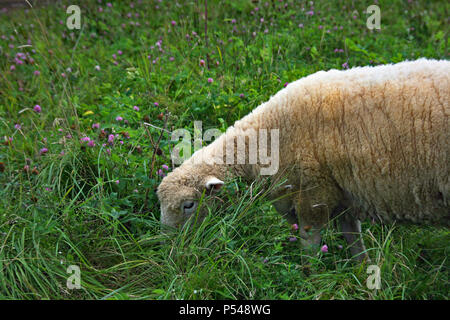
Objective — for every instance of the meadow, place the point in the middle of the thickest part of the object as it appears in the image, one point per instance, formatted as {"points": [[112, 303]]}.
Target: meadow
{"points": [[85, 122]]}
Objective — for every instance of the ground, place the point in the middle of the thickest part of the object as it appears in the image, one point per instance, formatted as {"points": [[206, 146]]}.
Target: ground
{"points": [[84, 121]]}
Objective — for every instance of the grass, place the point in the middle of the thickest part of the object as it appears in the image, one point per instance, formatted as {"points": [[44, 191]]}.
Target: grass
{"points": [[95, 206]]}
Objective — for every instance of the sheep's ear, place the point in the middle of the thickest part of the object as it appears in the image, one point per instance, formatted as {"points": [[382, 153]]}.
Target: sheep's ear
{"points": [[212, 183]]}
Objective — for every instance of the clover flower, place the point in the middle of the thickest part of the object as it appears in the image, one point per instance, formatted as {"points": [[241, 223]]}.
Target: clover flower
{"points": [[111, 139], [161, 173]]}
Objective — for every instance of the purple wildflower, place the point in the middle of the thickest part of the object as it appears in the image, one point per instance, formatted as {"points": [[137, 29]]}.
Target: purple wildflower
{"points": [[37, 108], [161, 173], [111, 139]]}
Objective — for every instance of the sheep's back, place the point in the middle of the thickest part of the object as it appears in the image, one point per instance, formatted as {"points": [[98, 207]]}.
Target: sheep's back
{"points": [[386, 143]]}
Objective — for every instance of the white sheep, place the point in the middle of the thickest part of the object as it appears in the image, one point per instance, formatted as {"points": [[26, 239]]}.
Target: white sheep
{"points": [[369, 142]]}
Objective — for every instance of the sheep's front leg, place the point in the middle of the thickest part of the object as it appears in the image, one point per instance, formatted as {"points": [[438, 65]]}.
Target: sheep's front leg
{"points": [[310, 225], [351, 230], [315, 201], [286, 209], [313, 209]]}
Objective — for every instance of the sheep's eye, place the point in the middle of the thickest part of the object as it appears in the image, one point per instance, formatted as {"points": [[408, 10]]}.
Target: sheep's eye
{"points": [[188, 206]]}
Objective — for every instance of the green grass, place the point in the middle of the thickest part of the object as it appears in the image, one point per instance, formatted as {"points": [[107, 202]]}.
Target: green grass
{"points": [[95, 207]]}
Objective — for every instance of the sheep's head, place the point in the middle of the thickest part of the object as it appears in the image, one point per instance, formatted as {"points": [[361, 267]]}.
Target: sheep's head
{"points": [[180, 191]]}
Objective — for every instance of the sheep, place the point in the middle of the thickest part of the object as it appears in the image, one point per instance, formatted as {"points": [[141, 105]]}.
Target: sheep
{"points": [[363, 143]]}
